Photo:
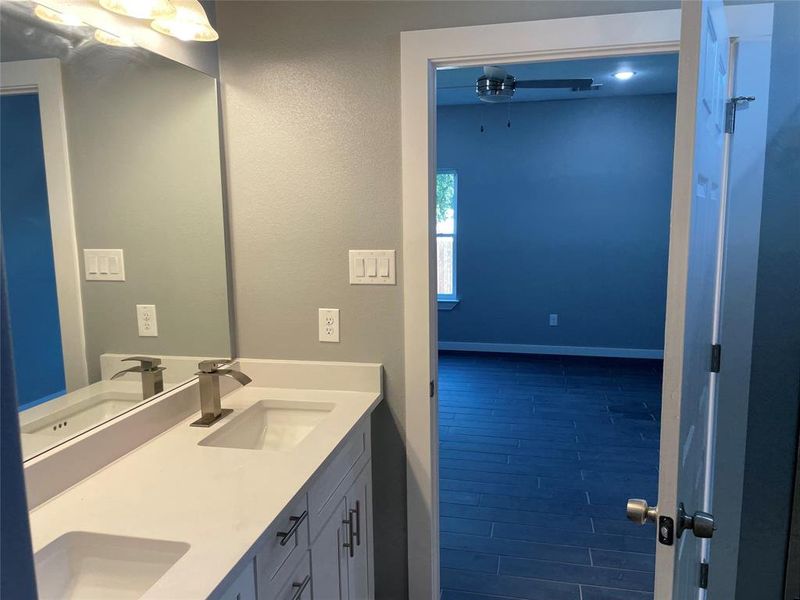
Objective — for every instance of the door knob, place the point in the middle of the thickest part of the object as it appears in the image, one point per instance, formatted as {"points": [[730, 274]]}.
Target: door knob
{"points": [[640, 512], [700, 523]]}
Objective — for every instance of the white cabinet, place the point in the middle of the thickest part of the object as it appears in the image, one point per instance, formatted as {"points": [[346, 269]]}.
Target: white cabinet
{"points": [[320, 547], [329, 557], [359, 563], [243, 587], [341, 556]]}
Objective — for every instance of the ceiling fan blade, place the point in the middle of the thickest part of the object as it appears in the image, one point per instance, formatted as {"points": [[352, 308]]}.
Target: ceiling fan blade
{"points": [[575, 84], [455, 87]]}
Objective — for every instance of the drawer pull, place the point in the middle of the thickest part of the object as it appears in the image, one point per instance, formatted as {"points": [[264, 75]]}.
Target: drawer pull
{"points": [[357, 533], [300, 587], [350, 534], [296, 522]]}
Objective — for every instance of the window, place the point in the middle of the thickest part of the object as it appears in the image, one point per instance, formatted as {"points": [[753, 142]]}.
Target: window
{"points": [[446, 200]]}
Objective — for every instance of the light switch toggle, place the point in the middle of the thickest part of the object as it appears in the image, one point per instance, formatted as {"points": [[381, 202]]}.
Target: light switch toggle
{"points": [[372, 267]]}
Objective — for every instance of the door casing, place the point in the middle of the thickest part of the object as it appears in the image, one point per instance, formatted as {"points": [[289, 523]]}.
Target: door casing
{"points": [[43, 76], [422, 52]]}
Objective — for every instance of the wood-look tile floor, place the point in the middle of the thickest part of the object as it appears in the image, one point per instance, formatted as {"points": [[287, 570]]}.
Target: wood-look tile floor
{"points": [[538, 455]]}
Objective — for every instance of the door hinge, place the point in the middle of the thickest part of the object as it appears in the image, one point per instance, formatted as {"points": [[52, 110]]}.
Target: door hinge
{"points": [[433, 388], [730, 111], [703, 575], [716, 358]]}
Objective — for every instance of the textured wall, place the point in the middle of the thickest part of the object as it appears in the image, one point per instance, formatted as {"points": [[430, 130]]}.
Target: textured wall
{"points": [[311, 95], [566, 212], [145, 160]]}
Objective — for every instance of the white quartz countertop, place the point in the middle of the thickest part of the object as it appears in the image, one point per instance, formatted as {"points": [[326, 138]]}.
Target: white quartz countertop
{"points": [[217, 500]]}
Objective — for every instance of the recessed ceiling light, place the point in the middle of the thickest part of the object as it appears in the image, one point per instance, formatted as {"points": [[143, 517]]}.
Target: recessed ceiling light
{"points": [[54, 16], [624, 75]]}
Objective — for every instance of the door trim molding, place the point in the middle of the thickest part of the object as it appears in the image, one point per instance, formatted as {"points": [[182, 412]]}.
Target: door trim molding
{"points": [[421, 53], [44, 77]]}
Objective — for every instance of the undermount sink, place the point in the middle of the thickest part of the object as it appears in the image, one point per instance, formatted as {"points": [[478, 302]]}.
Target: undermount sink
{"points": [[89, 566], [270, 425], [76, 417]]}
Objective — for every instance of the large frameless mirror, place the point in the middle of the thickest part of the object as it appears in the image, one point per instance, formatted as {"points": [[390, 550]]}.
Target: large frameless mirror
{"points": [[112, 223]]}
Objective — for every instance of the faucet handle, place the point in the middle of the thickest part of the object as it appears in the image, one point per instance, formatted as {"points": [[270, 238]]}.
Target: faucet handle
{"points": [[148, 363], [212, 365]]}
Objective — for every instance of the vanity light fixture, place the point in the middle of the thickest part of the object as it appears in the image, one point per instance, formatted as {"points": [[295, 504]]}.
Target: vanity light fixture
{"points": [[109, 39], [57, 17], [189, 23], [140, 9], [624, 75]]}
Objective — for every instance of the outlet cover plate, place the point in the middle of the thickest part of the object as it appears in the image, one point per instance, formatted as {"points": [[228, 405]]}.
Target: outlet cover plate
{"points": [[328, 324], [146, 320]]}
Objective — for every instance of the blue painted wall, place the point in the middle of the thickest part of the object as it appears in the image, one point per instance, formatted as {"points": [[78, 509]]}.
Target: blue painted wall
{"points": [[566, 212], [28, 251]]}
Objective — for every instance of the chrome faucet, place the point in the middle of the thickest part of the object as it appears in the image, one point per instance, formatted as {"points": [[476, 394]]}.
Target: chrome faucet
{"points": [[208, 377], [152, 374]]}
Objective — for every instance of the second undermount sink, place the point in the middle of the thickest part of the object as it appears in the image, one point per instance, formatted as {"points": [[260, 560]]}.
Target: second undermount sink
{"points": [[270, 425], [96, 566]]}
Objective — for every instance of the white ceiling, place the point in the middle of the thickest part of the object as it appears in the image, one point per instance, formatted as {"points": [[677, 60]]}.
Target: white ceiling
{"points": [[655, 74]]}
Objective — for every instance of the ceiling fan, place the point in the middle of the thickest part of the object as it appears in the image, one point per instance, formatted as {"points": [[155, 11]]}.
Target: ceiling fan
{"points": [[497, 85]]}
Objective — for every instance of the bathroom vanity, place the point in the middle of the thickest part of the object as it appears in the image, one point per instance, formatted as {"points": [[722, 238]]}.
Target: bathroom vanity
{"points": [[272, 501]]}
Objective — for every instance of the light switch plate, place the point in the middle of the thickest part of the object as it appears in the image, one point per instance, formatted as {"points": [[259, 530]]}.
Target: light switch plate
{"points": [[372, 267], [104, 265], [146, 320]]}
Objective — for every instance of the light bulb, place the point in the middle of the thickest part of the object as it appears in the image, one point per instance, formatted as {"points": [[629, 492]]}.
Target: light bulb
{"points": [[140, 9], [109, 39], [189, 23], [54, 16], [624, 75]]}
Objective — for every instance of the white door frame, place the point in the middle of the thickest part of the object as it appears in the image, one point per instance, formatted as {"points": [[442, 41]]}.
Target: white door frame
{"points": [[43, 77], [421, 53]]}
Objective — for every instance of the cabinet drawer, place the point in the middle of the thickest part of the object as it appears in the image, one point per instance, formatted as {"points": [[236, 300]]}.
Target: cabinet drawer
{"points": [[336, 476], [286, 540], [297, 586]]}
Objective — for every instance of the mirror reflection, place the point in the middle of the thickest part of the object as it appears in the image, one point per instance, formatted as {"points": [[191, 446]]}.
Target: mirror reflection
{"points": [[112, 224]]}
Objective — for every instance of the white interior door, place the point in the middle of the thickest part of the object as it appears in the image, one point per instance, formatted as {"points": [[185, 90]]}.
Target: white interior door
{"points": [[687, 418]]}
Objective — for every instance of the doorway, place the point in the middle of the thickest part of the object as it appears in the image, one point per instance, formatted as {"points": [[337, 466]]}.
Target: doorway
{"points": [[610, 35], [552, 242]]}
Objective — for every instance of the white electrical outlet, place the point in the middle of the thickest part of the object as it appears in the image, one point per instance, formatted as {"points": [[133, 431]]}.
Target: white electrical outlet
{"points": [[328, 324], [553, 320], [146, 319]]}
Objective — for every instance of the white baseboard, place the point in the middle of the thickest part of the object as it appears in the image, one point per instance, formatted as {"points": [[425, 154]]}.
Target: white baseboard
{"points": [[563, 350]]}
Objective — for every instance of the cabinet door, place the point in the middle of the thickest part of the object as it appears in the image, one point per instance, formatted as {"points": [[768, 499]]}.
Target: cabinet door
{"points": [[243, 588], [359, 565], [329, 557]]}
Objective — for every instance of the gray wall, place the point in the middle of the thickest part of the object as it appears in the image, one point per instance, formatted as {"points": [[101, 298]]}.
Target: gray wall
{"points": [[565, 212], [311, 95], [145, 162], [775, 376]]}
